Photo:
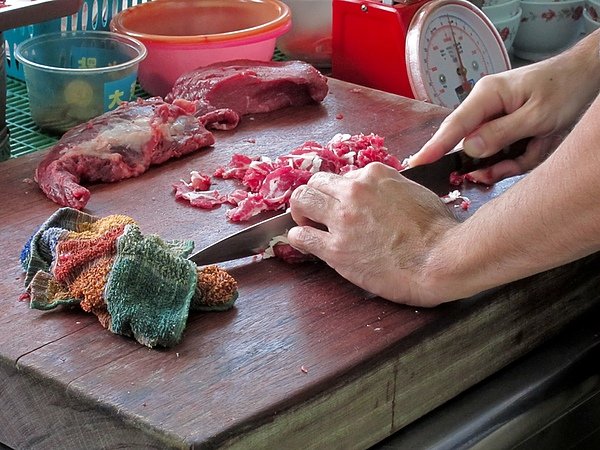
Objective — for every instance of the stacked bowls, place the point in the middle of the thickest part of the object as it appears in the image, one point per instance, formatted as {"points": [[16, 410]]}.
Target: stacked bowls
{"points": [[591, 16], [506, 16], [547, 28]]}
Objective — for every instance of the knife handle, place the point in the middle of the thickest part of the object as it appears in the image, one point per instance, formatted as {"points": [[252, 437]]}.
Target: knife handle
{"points": [[514, 150]]}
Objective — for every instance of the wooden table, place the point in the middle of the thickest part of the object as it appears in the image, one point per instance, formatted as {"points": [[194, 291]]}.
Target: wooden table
{"points": [[236, 380]]}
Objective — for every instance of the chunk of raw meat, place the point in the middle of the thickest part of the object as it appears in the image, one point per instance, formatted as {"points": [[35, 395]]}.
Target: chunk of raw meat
{"points": [[248, 87], [120, 144]]}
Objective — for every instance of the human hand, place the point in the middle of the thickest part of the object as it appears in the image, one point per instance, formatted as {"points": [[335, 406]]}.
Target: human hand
{"points": [[532, 101], [380, 229]]}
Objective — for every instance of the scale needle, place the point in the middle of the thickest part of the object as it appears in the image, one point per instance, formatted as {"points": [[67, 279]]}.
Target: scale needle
{"points": [[461, 68]]}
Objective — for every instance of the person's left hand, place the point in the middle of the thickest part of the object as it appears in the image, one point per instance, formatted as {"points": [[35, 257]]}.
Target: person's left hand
{"points": [[380, 229]]}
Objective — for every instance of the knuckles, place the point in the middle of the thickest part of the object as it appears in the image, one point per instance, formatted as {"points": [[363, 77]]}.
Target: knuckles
{"points": [[299, 193]]}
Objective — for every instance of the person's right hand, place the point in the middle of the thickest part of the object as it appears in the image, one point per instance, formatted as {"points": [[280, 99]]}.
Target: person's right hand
{"points": [[541, 101]]}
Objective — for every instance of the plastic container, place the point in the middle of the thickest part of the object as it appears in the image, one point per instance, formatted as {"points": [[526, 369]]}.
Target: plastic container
{"points": [[74, 76], [182, 35], [93, 15], [310, 37]]}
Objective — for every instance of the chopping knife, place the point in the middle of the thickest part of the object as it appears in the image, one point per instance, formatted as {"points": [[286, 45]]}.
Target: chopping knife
{"points": [[254, 239]]}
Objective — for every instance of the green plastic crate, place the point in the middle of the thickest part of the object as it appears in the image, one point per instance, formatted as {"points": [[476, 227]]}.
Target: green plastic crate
{"points": [[25, 136]]}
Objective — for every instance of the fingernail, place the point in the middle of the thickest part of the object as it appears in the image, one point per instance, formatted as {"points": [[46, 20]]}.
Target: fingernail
{"points": [[474, 145]]}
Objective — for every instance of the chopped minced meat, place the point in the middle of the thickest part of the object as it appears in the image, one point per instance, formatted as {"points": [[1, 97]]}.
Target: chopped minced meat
{"points": [[455, 195], [269, 183], [456, 179], [199, 181], [200, 199]]}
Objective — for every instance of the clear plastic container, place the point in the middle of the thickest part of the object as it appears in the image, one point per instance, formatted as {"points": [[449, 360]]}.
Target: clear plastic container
{"points": [[72, 77]]}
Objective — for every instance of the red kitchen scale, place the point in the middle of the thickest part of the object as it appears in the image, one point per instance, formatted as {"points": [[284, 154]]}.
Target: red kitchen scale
{"points": [[430, 50]]}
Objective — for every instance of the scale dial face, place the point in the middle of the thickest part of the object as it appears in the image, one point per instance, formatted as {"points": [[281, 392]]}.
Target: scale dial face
{"points": [[450, 45]]}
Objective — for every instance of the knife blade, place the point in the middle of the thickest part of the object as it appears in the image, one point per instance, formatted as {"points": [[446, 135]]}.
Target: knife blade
{"points": [[255, 239], [252, 240], [458, 161]]}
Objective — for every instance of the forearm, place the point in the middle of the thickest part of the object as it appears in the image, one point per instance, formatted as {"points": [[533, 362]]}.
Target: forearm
{"points": [[549, 218], [582, 63]]}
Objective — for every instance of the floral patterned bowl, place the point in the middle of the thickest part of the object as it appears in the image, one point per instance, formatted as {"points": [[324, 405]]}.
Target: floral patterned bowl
{"points": [[502, 11], [547, 28], [507, 28], [589, 24], [593, 9], [488, 3]]}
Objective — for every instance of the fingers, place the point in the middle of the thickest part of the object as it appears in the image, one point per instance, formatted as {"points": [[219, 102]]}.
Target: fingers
{"points": [[333, 202], [496, 134], [497, 172], [320, 197], [310, 203], [537, 151], [309, 240], [491, 117], [483, 103]]}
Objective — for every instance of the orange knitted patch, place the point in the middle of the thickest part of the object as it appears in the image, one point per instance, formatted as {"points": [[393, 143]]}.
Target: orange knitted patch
{"points": [[89, 285], [215, 286], [91, 230], [74, 254]]}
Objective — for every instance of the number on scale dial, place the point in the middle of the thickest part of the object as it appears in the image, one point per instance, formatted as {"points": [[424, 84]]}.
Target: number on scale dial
{"points": [[450, 46]]}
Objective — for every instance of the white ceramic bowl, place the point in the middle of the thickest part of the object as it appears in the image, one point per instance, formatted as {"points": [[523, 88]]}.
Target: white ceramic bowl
{"points": [[508, 28], [589, 24], [310, 37], [502, 11], [547, 28]]}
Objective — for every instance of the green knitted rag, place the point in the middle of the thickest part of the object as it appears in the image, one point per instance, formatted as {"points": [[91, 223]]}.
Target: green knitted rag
{"points": [[139, 286]]}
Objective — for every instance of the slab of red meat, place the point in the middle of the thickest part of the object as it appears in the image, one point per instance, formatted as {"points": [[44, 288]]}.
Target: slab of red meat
{"points": [[119, 144], [249, 87]]}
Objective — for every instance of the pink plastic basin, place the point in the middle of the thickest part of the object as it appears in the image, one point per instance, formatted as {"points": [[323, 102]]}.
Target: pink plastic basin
{"points": [[182, 35]]}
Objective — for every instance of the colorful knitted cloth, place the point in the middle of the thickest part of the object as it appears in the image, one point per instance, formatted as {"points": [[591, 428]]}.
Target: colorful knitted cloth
{"points": [[139, 286]]}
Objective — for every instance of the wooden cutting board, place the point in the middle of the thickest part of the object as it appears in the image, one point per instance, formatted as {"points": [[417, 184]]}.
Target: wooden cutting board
{"points": [[305, 359]]}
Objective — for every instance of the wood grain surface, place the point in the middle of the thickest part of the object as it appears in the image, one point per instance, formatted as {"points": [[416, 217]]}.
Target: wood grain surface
{"points": [[236, 380]]}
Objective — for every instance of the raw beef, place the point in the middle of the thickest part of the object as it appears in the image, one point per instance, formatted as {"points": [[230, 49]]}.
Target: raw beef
{"points": [[119, 144], [247, 87], [279, 247], [270, 183]]}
